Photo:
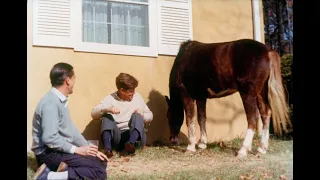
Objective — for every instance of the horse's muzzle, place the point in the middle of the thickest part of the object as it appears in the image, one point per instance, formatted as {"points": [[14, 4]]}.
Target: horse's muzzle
{"points": [[174, 140]]}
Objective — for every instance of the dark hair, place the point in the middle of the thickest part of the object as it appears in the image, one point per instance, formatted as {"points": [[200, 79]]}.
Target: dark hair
{"points": [[59, 73], [126, 81]]}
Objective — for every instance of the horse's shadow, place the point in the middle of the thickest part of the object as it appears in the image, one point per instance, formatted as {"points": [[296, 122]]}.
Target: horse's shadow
{"points": [[158, 132]]}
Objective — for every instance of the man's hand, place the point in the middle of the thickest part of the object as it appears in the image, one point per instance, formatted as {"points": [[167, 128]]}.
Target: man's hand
{"points": [[114, 110], [102, 156], [90, 150]]}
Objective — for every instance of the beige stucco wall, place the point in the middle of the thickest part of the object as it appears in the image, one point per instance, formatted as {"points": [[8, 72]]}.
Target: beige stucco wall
{"points": [[213, 20]]}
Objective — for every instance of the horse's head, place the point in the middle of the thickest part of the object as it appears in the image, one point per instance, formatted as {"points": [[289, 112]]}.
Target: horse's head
{"points": [[175, 118]]}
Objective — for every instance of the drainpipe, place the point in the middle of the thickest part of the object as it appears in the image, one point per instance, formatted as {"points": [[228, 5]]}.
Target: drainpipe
{"points": [[257, 37], [256, 20]]}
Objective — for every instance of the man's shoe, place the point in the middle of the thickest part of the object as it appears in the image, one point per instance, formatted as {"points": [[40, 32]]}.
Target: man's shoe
{"points": [[129, 148], [109, 154], [42, 173], [62, 167]]}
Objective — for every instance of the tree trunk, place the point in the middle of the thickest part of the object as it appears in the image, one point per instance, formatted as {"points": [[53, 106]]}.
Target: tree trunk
{"points": [[280, 27]]}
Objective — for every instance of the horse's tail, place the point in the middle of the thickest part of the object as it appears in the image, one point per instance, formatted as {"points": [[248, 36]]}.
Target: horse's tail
{"points": [[277, 97]]}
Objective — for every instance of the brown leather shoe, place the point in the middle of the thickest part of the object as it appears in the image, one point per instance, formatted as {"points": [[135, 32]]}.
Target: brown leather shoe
{"points": [[62, 167], [109, 154], [129, 148]]}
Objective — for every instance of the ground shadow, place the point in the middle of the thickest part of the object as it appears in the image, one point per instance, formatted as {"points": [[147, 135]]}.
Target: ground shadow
{"points": [[92, 131], [158, 132]]}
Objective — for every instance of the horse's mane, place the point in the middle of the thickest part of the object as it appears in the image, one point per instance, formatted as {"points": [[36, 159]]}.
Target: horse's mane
{"points": [[177, 60]]}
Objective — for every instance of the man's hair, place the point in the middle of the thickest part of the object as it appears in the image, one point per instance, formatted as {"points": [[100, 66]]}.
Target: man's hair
{"points": [[59, 73], [126, 81]]}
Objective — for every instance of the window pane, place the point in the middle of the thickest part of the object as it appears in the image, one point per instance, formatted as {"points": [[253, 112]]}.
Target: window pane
{"points": [[88, 35], [101, 20], [115, 23]]}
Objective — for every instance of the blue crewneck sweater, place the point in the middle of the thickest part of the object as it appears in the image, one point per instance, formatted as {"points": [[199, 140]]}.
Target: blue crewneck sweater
{"points": [[52, 126]]}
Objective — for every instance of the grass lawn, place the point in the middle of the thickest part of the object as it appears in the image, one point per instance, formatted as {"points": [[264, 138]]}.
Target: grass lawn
{"points": [[218, 161]]}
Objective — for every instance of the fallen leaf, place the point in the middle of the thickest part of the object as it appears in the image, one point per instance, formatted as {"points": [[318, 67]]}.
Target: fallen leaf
{"points": [[126, 159], [124, 170], [218, 179], [114, 165], [222, 145], [246, 176], [266, 176], [283, 177]]}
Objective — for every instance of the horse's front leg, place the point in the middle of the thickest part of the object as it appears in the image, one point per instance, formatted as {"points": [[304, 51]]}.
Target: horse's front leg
{"points": [[189, 109], [202, 117]]}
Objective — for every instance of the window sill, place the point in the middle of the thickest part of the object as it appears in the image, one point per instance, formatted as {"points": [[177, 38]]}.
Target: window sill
{"points": [[116, 49]]}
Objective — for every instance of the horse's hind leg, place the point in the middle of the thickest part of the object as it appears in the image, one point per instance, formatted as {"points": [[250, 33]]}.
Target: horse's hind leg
{"points": [[251, 109], [265, 112], [189, 109], [201, 109]]}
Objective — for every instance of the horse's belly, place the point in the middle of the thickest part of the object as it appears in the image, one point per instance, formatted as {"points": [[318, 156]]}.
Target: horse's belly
{"points": [[223, 93]]}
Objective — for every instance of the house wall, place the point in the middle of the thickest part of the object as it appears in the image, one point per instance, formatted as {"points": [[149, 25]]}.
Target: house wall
{"points": [[213, 20]]}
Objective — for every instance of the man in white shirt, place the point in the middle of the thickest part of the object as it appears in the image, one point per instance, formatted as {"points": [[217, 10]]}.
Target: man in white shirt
{"points": [[123, 114]]}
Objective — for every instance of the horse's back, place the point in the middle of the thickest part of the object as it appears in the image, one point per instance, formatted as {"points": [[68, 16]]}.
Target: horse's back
{"points": [[217, 66]]}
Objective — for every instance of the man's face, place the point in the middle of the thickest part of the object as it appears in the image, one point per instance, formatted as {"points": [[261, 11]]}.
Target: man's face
{"points": [[126, 95], [70, 83]]}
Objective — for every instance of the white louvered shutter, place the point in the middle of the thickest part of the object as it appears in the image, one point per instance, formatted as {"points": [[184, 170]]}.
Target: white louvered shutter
{"points": [[174, 24], [52, 23]]}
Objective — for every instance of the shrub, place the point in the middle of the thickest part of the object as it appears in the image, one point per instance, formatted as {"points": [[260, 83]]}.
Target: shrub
{"points": [[286, 66]]}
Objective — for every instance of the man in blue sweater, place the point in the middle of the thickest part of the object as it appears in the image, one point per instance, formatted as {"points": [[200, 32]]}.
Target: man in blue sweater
{"points": [[60, 148]]}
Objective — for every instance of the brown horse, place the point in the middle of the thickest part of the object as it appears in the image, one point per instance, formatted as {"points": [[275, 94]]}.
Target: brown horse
{"points": [[214, 70]]}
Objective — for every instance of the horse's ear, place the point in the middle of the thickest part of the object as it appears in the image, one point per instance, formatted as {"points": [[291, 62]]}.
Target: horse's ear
{"points": [[167, 99]]}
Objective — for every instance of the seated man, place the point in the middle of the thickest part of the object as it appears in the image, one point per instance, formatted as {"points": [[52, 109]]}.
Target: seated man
{"points": [[57, 143], [123, 114]]}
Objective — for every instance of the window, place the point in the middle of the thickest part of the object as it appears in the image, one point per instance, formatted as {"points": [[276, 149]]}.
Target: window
{"points": [[128, 27], [115, 22]]}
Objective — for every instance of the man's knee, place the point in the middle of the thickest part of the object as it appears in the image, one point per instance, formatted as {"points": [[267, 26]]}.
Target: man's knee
{"points": [[137, 118], [108, 116], [101, 173], [99, 168], [108, 123]]}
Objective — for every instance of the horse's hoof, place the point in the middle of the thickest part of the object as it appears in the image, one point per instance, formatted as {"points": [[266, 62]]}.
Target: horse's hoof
{"points": [[242, 153], [191, 148], [261, 150], [202, 146]]}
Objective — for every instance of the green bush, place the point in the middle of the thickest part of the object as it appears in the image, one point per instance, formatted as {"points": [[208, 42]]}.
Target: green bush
{"points": [[286, 64]]}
